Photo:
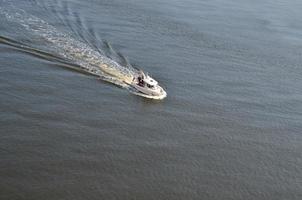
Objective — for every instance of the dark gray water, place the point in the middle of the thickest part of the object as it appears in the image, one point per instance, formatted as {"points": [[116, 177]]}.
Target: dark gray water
{"points": [[230, 128]]}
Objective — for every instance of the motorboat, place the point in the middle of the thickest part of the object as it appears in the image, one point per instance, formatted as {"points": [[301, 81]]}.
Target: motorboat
{"points": [[146, 86], [139, 83]]}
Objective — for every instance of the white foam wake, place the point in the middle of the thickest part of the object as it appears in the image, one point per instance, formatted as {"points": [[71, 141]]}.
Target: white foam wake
{"points": [[78, 52]]}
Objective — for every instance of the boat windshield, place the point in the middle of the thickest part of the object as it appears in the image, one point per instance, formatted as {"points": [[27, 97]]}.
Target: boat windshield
{"points": [[150, 86]]}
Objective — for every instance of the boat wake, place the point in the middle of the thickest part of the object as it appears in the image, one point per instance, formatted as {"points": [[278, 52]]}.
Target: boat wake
{"points": [[65, 49]]}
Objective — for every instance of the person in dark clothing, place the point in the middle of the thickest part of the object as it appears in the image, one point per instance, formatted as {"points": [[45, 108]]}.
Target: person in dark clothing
{"points": [[140, 81]]}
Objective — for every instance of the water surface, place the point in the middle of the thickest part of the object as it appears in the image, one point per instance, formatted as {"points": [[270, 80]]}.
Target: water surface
{"points": [[230, 127]]}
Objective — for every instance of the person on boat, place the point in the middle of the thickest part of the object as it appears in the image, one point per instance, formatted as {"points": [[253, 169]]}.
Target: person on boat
{"points": [[140, 78], [140, 81]]}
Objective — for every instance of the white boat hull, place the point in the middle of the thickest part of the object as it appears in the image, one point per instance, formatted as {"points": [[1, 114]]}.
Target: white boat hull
{"points": [[159, 93]]}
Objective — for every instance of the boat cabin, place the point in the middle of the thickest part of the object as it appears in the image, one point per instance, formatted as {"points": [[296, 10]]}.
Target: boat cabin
{"points": [[145, 80]]}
